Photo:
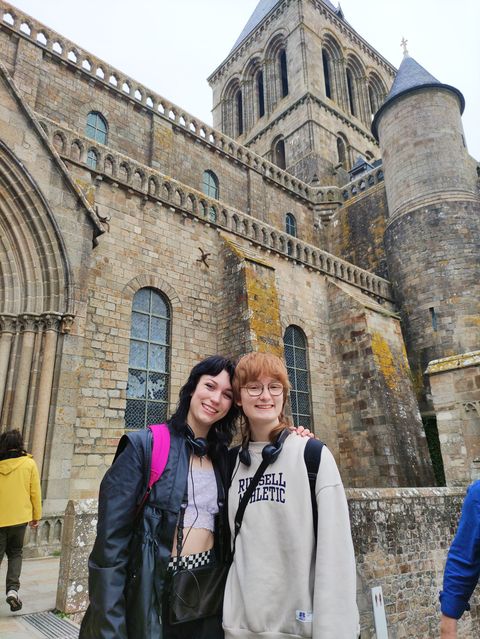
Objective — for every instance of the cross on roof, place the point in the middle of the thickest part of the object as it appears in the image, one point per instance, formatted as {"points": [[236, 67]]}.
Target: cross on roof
{"points": [[403, 43]]}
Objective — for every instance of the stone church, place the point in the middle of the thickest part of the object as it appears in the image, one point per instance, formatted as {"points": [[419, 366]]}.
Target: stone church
{"points": [[330, 215]]}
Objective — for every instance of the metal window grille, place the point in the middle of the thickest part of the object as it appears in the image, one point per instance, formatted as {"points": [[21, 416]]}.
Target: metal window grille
{"points": [[295, 345], [149, 361]]}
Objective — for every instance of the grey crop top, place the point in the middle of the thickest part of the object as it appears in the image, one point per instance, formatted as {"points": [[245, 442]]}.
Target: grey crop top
{"points": [[202, 499]]}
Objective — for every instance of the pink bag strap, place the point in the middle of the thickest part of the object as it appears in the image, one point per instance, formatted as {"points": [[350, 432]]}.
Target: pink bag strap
{"points": [[160, 450]]}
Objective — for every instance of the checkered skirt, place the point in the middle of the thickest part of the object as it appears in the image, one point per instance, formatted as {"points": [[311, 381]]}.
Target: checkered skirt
{"points": [[188, 562]]}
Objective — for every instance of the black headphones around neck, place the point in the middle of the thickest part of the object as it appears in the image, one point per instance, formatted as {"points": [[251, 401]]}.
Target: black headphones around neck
{"points": [[199, 445], [270, 452]]}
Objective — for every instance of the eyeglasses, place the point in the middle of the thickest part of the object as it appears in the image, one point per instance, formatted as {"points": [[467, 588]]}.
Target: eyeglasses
{"points": [[255, 390]]}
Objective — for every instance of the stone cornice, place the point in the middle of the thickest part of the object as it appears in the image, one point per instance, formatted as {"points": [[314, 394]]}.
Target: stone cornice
{"points": [[416, 203], [305, 98], [454, 362], [152, 186]]}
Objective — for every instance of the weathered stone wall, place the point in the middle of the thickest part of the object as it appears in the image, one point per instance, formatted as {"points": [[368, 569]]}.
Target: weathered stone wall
{"points": [[423, 150], [455, 387], [65, 94], [50, 228], [380, 433], [432, 255], [432, 237], [356, 231], [401, 537], [250, 315]]}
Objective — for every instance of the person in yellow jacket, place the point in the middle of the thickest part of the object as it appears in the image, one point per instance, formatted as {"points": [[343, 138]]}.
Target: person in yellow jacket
{"points": [[20, 504]]}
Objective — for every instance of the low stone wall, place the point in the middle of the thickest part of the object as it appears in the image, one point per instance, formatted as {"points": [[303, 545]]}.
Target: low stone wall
{"points": [[46, 539], [401, 538]]}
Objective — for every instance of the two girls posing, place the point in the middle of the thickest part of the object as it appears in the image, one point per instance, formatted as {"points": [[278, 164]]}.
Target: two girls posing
{"points": [[284, 581]]}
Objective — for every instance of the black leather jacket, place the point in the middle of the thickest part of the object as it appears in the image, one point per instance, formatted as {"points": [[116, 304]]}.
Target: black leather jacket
{"points": [[128, 562]]}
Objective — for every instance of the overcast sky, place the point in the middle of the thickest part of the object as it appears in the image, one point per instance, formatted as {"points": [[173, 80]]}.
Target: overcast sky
{"points": [[172, 47]]}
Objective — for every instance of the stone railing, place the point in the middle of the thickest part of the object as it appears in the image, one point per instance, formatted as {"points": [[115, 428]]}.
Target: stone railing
{"points": [[401, 536], [59, 47], [150, 184], [362, 184], [46, 539]]}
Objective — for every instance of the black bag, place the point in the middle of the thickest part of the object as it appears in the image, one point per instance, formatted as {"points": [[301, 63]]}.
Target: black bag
{"points": [[196, 593]]}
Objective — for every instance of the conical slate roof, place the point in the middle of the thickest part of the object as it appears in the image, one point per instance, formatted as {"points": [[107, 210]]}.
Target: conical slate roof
{"points": [[263, 8], [410, 77]]}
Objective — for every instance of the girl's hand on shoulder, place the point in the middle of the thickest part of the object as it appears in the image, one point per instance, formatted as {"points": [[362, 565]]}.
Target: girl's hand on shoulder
{"points": [[301, 431]]}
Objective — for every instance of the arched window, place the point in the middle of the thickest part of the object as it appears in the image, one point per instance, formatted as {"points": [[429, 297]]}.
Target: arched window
{"points": [[332, 59], [239, 111], [279, 153], [92, 159], [291, 224], [96, 127], [149, 361], [326, 74], [210, 184], [376, 93], [260, 94], [295, 345], [351, 92], [282, 58]]}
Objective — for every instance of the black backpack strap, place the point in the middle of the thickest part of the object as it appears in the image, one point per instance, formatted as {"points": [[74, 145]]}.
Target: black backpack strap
{"points": [[312, 455], [232, 460], [246, 498]]}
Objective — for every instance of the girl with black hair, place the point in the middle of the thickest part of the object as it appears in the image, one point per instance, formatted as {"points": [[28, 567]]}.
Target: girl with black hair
{"points": [[20, 504], [135, 553]]}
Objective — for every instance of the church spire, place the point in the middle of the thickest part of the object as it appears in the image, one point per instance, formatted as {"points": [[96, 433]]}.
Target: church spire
{"points": [[411, 77], [263, 8]]}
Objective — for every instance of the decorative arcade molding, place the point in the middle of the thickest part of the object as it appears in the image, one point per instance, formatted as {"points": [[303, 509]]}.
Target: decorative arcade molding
{"points": [[151, 185]]}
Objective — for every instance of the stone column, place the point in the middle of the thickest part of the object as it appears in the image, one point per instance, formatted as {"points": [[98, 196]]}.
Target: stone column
{"points": [[270, 85], [249, 106], [29, 329], [8, 327], [51, 323], [340, 91], [364, 101]]}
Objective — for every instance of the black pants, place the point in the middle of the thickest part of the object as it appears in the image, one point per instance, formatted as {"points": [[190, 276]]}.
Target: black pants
{"points": [[11, 544], [208, 628]]}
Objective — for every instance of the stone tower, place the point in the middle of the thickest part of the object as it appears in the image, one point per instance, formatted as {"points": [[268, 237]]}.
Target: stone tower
{"points": [[432, 236], [299, 88]]}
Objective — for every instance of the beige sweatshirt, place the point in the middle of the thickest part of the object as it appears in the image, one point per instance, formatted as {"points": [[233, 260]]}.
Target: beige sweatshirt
{"points": [[282, 585]]}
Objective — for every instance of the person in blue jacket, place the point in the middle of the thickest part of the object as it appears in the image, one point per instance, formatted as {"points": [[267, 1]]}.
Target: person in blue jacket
{"points": [[462, 569]]}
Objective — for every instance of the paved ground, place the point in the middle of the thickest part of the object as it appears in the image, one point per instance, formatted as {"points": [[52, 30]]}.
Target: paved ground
{"points": [[38, 591]]}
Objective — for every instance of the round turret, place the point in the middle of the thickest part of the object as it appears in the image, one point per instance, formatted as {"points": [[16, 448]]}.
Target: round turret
{"points": [[432, 236]]}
